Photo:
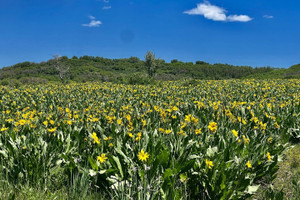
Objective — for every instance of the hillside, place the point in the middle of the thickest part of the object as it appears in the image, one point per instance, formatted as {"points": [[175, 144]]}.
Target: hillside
{"points": [[133, 70], [289, 73]]}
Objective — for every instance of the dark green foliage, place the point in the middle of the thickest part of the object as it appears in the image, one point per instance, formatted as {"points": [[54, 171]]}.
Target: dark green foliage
{"points": [[138, 79], [201, 63], [90, 68]]}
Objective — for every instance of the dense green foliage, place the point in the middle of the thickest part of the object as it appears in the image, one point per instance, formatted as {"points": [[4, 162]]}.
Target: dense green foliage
{"points": [[133, 71]]}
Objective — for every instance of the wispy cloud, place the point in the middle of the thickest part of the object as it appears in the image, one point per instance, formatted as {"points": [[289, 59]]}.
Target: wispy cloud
{"points": [[216, 13], [106, 1], [268, 16], [93, 22], [106, 7]]}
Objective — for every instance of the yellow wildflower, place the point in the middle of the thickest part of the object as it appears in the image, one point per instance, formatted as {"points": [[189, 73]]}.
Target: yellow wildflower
{"points": [[143, 156], [96, 139], [119, 121], [102, 158], [239, 119], [209, 163], [188, 118], [175, 108], [95, 119], [244, 121], [3, 129], [33, 125], [107, 138], [139, 136], [51, 130], [22, 122], [198, 131], [213, 126], [249, 164], [235, 133], [130, 135], [161, 130], [182, 125], [182, 132], [144, 122], [194, 120], [269, 156], [246, 140]]}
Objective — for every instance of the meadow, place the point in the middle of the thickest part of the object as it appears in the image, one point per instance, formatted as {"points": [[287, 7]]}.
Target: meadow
{"points": [[169, 140]]}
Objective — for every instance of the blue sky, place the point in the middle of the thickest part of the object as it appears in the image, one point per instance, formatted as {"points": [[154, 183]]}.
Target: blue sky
{"points": [[254, 33]]}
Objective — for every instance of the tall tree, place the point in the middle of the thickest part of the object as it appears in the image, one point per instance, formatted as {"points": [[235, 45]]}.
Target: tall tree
{"points": [[150, 63], [61, 68]]}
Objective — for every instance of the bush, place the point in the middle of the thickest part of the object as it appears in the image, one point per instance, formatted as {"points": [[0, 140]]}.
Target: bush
{"points": [[11, 82], [33, 80], [138, 79]]}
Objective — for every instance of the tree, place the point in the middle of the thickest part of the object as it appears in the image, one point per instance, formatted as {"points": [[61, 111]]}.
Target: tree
{"points": [[150, 63], [133, 59], [61, 68], [199, 62]]}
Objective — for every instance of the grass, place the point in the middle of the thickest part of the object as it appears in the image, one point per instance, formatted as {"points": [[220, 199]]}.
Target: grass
{"points": [[287, 183], [288, 178], [29, 193]]}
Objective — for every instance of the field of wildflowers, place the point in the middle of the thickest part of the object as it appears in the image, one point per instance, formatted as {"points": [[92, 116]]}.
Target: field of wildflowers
{"points": [[171, 140]]}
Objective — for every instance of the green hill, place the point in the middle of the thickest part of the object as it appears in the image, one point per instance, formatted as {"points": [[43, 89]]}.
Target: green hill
{"points": [[133, 70]]}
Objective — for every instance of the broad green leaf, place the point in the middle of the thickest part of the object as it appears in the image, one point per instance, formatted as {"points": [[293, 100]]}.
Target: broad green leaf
{"points": [[116, 159], [93, 163]]}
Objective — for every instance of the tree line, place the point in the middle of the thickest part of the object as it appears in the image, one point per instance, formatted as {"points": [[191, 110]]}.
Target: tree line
{"points": [[131, 70]]}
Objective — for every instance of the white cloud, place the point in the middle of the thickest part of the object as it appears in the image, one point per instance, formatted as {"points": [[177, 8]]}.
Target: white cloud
{"points": [[93, 22], [106, 1], [216, 13], [268, 16], [239, 18], [106, 7], [208, 11]]}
